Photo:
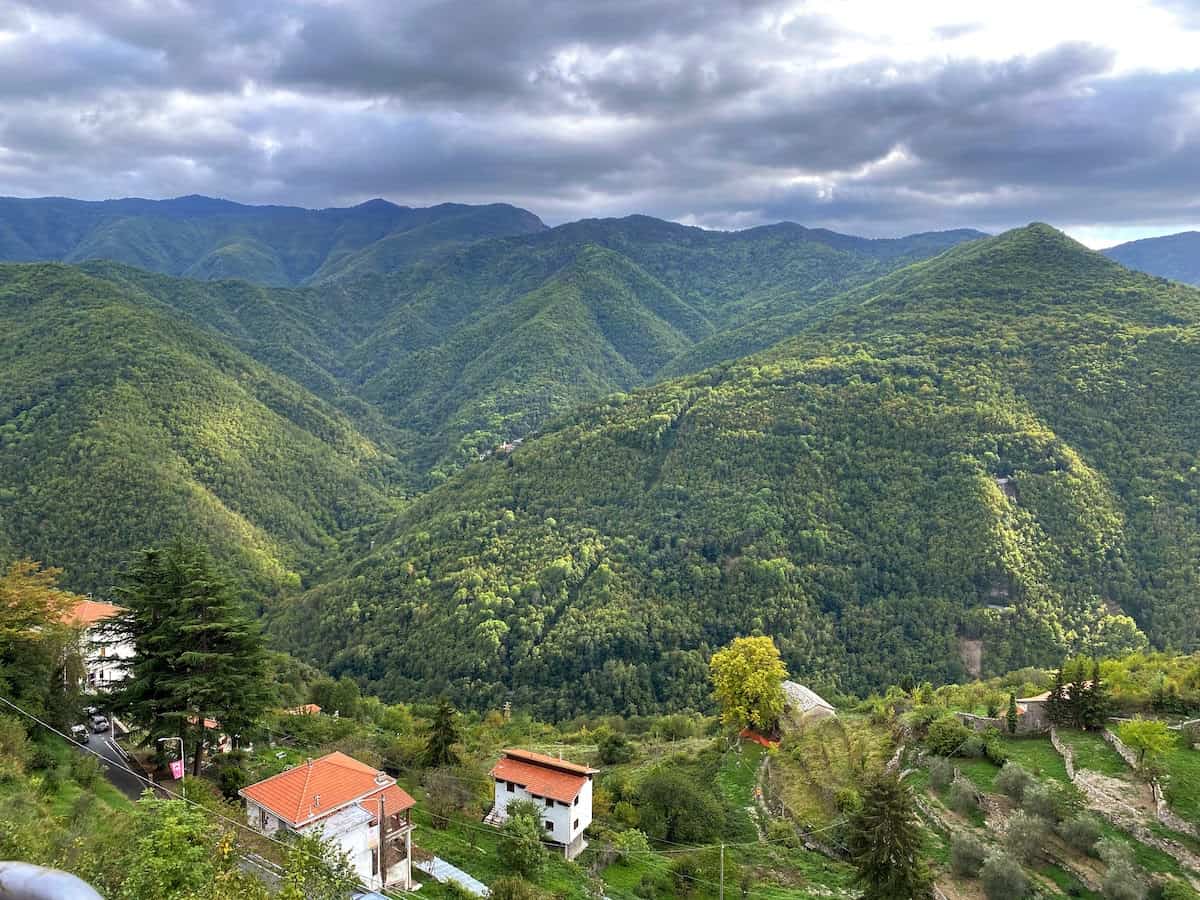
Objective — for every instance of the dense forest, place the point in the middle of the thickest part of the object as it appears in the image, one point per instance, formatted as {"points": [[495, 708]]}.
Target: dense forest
{"points": [[996, 445], [1174, 256], [201, 237], [121, 424]]}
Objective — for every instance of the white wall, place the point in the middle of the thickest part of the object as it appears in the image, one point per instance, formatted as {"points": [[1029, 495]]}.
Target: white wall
{"points": [[105, 663], [563, 818]]}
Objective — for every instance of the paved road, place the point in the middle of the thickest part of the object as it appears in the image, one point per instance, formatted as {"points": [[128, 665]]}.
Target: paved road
{"points": [[115, 764]]}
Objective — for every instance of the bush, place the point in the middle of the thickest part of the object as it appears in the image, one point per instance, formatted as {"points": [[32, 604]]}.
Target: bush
{"points": [[974, 747], [946, 736], [1178, 890], [941, 773], [783, 833], [685, 872], [628, 842], [230, 773], [1081, 833], [512, 888], [1003, 878], [1044, 802], [1123, 882], [520, 846], [85, 769], [15, 751], [625, 813], [1025, 836], [615, 749], [967, 854], [964, 798], [1012, 781], [673, 807]]}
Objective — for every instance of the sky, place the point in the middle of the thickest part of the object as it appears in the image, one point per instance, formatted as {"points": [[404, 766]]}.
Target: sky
{"points": [[869, 118]]}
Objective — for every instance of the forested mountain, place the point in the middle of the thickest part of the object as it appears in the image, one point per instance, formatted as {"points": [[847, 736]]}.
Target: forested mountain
{"points": [[121, 424], [995, 445], [205, 238], [448, 357], [1174, 256]]}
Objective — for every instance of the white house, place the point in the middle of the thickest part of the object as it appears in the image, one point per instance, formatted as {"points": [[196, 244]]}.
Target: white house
{"points": [[340, 798], [105, 652], [562, 789]]}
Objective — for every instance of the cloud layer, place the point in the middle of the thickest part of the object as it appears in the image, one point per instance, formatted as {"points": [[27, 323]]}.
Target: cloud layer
{"points": [[871, 118]]}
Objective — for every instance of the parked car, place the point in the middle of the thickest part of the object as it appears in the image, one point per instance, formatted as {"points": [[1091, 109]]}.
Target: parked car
{"points": [[99, 724], [80, 733]]}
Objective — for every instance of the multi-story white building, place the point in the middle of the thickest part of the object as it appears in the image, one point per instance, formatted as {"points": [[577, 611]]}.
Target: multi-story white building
{"points": [[106, 653], [562, 789], [341, 798]]}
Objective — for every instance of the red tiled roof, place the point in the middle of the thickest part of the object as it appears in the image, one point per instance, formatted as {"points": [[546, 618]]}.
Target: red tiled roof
{"points": [[544, 776], [308, 709], [86, 613], [319, 787], [395, 799]]}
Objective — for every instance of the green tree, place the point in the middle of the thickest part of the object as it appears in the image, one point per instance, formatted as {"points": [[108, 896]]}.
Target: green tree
{"points": [[747, 678], [885, 839], [947, 736], [1010, 717], [1056, 704], [1003, 878], [1150, 738], [673, 807], [197, 655], [441, 744], [520, 846], [316, 870]]}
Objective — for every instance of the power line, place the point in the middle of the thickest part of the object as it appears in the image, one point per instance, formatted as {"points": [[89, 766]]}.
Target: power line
{"points": [[153, 785]]}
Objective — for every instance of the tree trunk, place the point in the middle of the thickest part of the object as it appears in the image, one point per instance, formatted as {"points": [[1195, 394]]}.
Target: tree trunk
{"points": [[196, 760]]}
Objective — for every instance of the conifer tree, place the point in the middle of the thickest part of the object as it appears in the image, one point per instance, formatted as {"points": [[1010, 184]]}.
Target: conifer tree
{"points": [[1096, 709], [198, 656], [443, 735], [1056, 703], [1010, 717], [885, 841]]}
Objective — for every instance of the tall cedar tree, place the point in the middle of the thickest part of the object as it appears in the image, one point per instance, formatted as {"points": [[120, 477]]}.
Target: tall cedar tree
{"points": [[885, 841], [197, 654], [1077, 697], [443, 735], [1010, 716], [1056, 703], [1098, 706]]}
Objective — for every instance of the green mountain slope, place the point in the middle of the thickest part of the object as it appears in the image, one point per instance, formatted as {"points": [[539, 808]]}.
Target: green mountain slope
{"points": [[121, 424], [1174, 256], [199, 237], [446, 358], [995, 445]]}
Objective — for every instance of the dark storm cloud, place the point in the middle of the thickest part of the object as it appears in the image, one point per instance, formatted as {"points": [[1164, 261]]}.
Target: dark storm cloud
{"points": [[724, 113]]}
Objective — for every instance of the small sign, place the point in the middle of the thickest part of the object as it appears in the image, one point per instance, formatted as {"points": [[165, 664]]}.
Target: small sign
{"points": [[177, 769]]}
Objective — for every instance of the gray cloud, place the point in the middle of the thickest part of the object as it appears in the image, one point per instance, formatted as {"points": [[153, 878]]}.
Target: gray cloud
{"points": [[723, 113]]}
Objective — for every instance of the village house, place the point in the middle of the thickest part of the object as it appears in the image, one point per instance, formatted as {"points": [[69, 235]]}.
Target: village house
{"points": [[105, 653], [561, 788], [363, 812], [804, 703]]}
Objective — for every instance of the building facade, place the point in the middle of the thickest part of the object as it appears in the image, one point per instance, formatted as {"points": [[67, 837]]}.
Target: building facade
{"points": [[563, 791], [105, 651], [361, 811]]}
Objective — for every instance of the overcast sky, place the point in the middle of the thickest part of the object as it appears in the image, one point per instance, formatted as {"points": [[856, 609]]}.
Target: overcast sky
{"points": [[871, 118]]}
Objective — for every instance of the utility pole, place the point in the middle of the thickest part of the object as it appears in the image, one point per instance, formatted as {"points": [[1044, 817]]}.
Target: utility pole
{"points": [[722, 872], [382, 845]]}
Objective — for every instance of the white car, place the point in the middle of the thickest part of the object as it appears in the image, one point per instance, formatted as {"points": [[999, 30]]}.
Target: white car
{"points": [[80, 734]]}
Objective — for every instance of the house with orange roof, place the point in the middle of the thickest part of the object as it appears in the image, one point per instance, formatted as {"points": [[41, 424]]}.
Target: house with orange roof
{"points": [[562, 789], [360, 810], [106, 652]]}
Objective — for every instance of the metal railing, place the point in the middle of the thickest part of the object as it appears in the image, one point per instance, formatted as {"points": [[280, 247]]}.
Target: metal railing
{"points": [[25, 881]]}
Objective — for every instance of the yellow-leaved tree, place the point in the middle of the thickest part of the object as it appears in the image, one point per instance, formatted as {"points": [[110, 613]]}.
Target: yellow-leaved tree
{"points": [[747, 678]]}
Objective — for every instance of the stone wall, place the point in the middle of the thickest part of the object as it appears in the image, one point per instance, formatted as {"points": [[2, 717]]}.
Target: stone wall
{"points": [[1126, 754], [983, 723]]}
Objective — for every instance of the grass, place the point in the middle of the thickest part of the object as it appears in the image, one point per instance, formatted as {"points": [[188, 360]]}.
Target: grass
{"points": [[1038, 756], [1182, 767], [1094, 753], [68, 790], [735, 779], [1067, 883]]}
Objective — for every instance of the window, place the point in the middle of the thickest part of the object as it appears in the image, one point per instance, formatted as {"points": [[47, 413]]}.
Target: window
{"points": [[575, 827], [549, 803], [549, 825], [511, 786], [262, 819], [576, 803]]}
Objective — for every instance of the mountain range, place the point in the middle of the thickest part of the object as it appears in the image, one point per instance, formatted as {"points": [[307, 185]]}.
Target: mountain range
{"points": [[1174, 256], [899, 457]]}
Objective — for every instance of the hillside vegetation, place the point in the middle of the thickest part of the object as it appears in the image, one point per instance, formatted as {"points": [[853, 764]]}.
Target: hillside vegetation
{"points": [[200, 237], [842, 491], [120, 425], [1174, 256]]}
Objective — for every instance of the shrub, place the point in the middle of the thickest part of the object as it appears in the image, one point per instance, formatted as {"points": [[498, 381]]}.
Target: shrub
{"points": [[1003, 878], [684, 872], [1043, 801], [615, 749], [520, 846], [510, 887], [1178, 890], [1012, 780], [783, 833], [967, 854], [625, 813], [1080, 833], [85, 769], [946, 736], [994, 752], [15, 751], [673, 807], [230, 774], [964, 798], [628, 842], [1123, 882], [941, 772], [1025, 836], [974, 747]]}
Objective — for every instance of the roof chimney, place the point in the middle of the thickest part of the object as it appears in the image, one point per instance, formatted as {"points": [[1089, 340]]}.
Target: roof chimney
{"points": [[381, 777], [316, 800], [310, 762]]}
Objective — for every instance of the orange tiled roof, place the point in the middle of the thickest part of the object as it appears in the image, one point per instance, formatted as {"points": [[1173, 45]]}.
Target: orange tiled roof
{"points": [[544, 776], [308, 709], [317, 788], [395, 799], [86, 613]]}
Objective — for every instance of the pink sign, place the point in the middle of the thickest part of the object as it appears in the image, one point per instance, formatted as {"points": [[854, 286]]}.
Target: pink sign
{"points": [[177, 769]]}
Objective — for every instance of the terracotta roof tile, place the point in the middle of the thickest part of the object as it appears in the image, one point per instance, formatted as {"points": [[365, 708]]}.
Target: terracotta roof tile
{"points": [[544, 776], [315, 789], [88, 612]]}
